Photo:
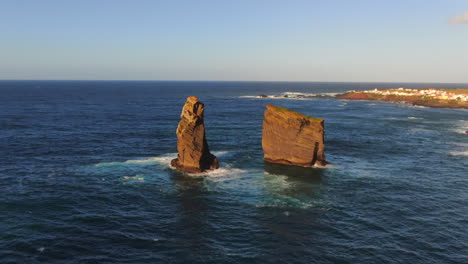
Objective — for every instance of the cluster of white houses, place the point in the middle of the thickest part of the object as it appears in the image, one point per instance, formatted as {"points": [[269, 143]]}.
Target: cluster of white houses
{"points": [[433, 93]]}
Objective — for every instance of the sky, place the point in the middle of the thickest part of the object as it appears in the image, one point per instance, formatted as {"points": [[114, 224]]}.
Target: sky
{"points": [[242, 40]]}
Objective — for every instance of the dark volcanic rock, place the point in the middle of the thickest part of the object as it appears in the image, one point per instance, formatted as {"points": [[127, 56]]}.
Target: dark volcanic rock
{"points": [[193, 153], [292, 138]]}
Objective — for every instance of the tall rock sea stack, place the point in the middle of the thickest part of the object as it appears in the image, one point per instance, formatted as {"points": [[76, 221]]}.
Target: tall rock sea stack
{"points": [[193, 153], [292, 138]]}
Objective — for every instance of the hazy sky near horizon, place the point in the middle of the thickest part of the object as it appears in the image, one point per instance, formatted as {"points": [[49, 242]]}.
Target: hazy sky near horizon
{"points": [[295, 40]]}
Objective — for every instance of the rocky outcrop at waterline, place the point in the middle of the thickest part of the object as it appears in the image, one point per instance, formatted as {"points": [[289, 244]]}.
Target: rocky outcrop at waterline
{"points": [[438, 98], [292, 138], [193, 153]]}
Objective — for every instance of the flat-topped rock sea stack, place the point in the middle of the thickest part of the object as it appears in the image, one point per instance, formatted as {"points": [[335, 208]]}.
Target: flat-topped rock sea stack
{"points": [[193, 153], [292, 138]]}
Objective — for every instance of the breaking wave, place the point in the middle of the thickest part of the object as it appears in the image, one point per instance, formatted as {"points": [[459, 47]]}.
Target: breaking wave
{"points": [[164, 159], [224, 173], [292, 95], [462, 127], [459, 153]]}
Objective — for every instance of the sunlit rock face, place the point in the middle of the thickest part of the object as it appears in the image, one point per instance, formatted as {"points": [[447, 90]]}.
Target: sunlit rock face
{"points": [[292, 138], [193, 153]]}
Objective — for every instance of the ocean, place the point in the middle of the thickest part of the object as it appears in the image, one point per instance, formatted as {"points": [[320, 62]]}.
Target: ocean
{"points": [[85, 177]]}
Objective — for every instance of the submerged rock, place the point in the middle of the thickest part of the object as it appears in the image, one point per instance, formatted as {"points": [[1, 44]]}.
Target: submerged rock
{"points": [[193, 153], [292, 138]]}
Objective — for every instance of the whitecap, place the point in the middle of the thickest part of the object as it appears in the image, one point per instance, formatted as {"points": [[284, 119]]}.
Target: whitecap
{"points": [[329, 94], [459, 153], [223, 153], [277, 180], [291, 95], [224, 173], [462, 127], [284, 201], [134, 178], [328, 166], [164, 159], [461, 144], [413, 117], [415, 106]]}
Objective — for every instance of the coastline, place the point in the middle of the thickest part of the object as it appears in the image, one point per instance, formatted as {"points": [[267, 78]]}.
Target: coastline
{"points": [[420, 97]]}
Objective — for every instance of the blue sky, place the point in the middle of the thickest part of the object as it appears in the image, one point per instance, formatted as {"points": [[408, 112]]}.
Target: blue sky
{"points": [[322, 40]]}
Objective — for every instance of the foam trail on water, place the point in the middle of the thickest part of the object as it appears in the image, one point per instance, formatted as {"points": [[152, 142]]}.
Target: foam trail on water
{"points": [[224, 173], [164, 159], [462, 127], [290, 95], [459, 153], [134, 178]]}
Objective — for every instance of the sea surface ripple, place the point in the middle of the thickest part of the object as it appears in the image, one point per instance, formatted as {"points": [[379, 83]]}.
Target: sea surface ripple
{"points": [[85, 177]]}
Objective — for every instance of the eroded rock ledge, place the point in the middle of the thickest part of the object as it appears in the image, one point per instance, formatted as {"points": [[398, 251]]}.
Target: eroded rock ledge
{"points": [[193, 153], [438, 98], [292, 138]]}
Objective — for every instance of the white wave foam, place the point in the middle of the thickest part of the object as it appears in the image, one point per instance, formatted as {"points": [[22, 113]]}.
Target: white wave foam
{"points": [[459, 153], [413, 117], [414, 106], [223, 153], [461, 144], [134, 178], [291, 95], [163, 159], [462, 127], [328, 166], [283, 201], [224, 173]]}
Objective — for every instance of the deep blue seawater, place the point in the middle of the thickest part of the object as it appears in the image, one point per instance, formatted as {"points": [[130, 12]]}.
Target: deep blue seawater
{"points": [[85, 178]]}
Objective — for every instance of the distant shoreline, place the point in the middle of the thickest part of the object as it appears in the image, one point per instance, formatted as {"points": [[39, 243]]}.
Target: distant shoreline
{"points": [[436, 98]]}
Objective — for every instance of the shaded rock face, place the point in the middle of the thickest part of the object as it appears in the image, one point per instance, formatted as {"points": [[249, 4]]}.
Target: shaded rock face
{"points": [[193, 153], [292, 138]]}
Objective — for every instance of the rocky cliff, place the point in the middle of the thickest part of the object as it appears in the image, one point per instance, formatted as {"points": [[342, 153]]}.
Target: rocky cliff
{"points": [[193, 153], [292, 138], [438, 98]]}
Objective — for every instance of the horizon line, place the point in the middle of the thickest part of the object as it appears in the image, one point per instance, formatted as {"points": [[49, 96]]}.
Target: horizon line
{"points": [[245, 81]]}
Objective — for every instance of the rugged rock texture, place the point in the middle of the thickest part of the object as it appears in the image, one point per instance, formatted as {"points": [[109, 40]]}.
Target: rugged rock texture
{"points": [[292, 138], [412, 99], [193, 153]]}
